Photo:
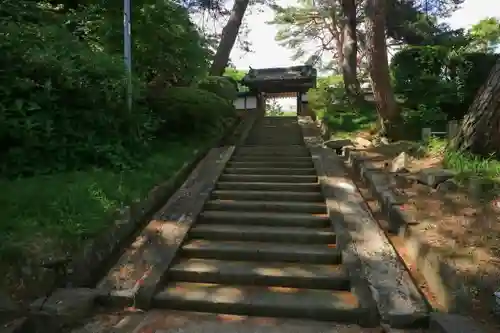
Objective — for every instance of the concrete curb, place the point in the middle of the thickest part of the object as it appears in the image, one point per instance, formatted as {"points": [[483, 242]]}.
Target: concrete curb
{"points": [[440, 277], [177, 217], [367, 253]]}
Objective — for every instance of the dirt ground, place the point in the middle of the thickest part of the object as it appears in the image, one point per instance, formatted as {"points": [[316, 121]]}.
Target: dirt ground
{"points": [[466, 231]]}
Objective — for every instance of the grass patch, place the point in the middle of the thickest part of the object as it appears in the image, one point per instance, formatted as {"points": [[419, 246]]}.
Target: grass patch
{"points": [[55, 214], [345, 119], [464, 164]]}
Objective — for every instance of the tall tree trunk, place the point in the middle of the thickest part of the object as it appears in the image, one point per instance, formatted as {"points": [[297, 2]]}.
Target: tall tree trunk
{"points": [[479, 132], [378, 64], [228, 38], [350, 49]]}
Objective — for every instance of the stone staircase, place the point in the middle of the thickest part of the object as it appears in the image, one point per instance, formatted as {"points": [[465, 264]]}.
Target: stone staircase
{"points": [[264, 245]]}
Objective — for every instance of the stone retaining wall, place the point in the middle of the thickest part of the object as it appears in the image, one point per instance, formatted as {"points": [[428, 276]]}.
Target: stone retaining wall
{"points": [[442, 280]]}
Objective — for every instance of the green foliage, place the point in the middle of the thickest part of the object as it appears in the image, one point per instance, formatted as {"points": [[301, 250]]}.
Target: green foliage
{"points": [[71, 153], [165, 40], [63, 86], [273, 108], [486, 34], [63, 105], [417, 22], [434, 78], [54, 214], [224, 87], [468, 72], [307, 25], [236, 75], [345, 118], [465, 164], [420, 117], [330, 103], [328, 89], [186, 110], [416, 69]]}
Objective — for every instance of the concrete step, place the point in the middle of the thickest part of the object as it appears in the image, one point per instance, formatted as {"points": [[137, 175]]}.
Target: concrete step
{"points": [[269, 178], [281, 118], [275, 130], [271, 171], [271, 164], [268, 195], [268, 186], [250, 148], [276, 133], [274, 141], [277, 122], [270, 219], [272, 149], [279, 274], [326, 254], [256, 233], [268, 158], [284, 152], [281, 136], [272, 134], [341, 306], [267, 206]]}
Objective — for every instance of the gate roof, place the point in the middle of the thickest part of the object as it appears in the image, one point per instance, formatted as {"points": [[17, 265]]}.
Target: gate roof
{"points": [[281, 79]]}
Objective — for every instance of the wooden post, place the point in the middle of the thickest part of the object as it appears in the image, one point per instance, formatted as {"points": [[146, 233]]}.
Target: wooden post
{"points": [[426, 134], [299, 105], [452, 129]]}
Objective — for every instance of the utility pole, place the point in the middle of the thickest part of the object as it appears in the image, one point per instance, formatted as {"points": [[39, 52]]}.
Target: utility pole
{"points": [[127, 49]]}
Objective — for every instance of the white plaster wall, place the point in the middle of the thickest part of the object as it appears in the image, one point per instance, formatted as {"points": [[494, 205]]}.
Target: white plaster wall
{"points": [[251, 103]]}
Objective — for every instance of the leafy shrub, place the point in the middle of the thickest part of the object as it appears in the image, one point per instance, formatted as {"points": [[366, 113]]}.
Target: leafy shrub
{"points": [[329, 90], [186, 110], [418, 75], [468, 71], [421, 117], [166, 41], [439, 78], [236, 76], [63, 106], [222, 86]]}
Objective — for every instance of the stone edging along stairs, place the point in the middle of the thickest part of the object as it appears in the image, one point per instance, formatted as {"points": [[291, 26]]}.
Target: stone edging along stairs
{"points": [[255, 231]]}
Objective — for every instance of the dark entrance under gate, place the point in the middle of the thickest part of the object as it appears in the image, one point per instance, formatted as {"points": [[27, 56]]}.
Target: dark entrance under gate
{"points": [[282, 82]]}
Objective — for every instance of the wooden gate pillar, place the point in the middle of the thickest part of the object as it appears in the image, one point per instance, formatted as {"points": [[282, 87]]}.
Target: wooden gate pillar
{"points": [[299, 104]]}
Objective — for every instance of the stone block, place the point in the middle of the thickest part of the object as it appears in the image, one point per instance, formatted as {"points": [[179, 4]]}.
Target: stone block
{"points": [[399, 219], [447, 186], [346, 151], [363, 142], [401, 163], [434, 176], [67, 305], [338, 144]]}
